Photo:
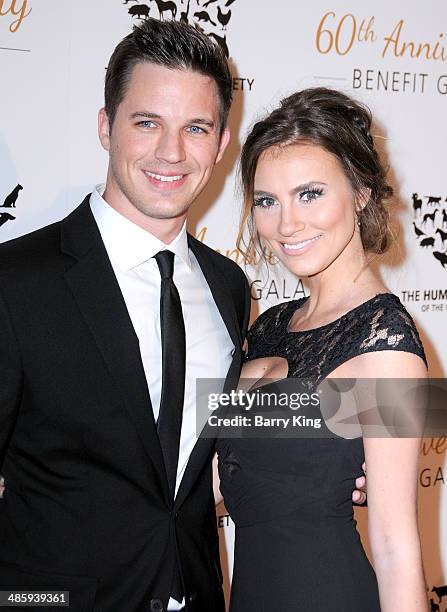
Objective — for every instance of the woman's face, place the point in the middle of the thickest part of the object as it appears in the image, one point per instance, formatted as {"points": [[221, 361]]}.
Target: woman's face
{"points": [[304, 208]]}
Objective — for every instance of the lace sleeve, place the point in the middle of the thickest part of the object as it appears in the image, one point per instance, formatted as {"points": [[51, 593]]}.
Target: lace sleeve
{"points": [[265, 332], [390, 327]]}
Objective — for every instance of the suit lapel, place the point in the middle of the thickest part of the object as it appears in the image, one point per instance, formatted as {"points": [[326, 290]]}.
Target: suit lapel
{"points": [[221, 294], [99, 298], [203, 448]]}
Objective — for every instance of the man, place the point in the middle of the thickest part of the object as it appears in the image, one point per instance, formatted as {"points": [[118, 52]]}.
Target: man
{"points": [[108, 492]]}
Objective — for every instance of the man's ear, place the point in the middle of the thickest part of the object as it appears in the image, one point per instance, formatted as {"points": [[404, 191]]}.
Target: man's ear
{"points": [[224, 140], [104, 129]]}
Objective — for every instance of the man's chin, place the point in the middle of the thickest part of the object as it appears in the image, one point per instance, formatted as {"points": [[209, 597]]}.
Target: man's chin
{"points": [[164, 211]]}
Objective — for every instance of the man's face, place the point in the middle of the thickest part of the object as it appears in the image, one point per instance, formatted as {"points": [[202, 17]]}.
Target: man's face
{"points": [[163, 145]]}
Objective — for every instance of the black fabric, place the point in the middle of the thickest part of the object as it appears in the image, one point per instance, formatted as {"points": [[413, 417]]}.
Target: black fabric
{"points": [[296, 545], [173, 341], [79, 447]]}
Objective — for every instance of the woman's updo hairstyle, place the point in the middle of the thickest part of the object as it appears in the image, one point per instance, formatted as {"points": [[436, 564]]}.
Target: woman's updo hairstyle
{"points": [[341, 126]]}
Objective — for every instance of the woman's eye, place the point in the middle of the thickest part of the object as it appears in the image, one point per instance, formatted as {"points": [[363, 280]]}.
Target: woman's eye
{"points": [[310, 195], [264, 202]]}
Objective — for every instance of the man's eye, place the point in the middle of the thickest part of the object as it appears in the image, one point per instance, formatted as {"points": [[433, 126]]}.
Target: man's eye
{"points": [[195, 129], [310, 195], [146, 124], [264, 201]]}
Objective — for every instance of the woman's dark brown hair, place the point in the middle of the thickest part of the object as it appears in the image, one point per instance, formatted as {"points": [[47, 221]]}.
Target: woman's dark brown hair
{"points": [[341, 126]]}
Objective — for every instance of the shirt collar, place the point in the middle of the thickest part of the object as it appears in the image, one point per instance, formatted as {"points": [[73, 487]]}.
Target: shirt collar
{"points": [[128, 244]]}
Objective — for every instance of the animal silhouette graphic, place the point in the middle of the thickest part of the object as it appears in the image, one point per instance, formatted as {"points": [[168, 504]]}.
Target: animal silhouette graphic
{"points": [[184, 15], [11, 198], [223, 18], [442, 235], [417, 231], [434, 606], [442, 590], [442, 258], [5, 217], [139, 10], [444, 217], [166, 6], [427, 242], [429, 216], [203, 16], [205, 19], [417, 202], [432, 200], [222, 41]]}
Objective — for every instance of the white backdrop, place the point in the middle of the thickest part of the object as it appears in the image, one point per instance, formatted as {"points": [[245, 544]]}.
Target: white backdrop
{"points": [[391, 55]]}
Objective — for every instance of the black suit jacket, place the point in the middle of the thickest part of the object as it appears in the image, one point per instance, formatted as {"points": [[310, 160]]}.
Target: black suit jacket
{"points": [[87, 506]]}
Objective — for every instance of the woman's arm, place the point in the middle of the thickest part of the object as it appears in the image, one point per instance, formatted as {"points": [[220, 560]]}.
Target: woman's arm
{"points": [[392, 495]]}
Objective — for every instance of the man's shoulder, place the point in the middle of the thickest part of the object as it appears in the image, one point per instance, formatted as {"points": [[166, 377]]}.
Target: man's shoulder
{"points": [[30, 247], [37, 248]]}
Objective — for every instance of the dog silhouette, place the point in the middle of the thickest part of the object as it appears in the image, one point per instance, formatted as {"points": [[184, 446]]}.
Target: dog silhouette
{"points": [[434, 606], [442, 590], [166, 6], [11, 198], [442, 258], [426, 242], [432, 200], [430, 216], [203, 16], [138, 10], [5, 217], [417, 202]]}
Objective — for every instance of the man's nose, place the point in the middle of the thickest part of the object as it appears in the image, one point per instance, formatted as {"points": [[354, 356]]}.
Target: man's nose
{"points": [[170, 147]]}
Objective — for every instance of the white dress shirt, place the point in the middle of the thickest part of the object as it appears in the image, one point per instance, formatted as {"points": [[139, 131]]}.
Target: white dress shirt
{"points": [[209, 349]]}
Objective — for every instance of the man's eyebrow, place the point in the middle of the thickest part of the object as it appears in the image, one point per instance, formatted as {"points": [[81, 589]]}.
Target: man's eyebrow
{"points": [[203, 121], [145, 114]]}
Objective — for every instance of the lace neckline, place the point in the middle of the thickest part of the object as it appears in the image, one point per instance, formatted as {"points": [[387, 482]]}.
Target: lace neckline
{"points": [[300, 303]]}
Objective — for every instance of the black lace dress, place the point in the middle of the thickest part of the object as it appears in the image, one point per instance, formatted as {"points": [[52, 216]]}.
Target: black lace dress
{"points": [[297, 547]]}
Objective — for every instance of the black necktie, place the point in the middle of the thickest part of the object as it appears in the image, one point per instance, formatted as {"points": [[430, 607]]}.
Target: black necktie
{"points": [[173, 343], [173, 346]]}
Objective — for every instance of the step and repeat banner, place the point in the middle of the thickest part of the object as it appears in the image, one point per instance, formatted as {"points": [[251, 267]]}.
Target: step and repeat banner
{"points": [[391, 55]]}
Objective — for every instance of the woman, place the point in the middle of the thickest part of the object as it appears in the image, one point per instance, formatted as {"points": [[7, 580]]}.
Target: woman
{"points": [[315, 194]]}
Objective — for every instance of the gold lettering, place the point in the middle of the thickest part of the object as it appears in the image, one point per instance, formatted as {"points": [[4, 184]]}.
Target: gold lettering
{"points": [[438, 446], [393, 39], [17, 10], [413, 49], [202, 234]]}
